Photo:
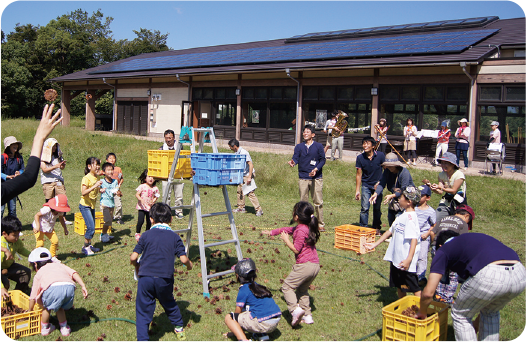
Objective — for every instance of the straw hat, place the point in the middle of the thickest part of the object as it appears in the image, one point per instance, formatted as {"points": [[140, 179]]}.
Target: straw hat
{"points": [[391, 159], [59, 203], [450, 158], [10, 141], [463, 120]]}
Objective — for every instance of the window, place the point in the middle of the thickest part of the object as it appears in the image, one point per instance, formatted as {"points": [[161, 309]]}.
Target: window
{"points": [[511, 116], [490, 93], [457, 93], [434, 115], [433, 93], [214, 93], [411, 93], [389, 93], [397, 115], [225, 114], [257, 115], [282, 115], [515, 94]]}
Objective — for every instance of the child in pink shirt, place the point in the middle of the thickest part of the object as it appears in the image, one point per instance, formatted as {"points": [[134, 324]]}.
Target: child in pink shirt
{"points": [[53, 288], [296, 285], [147, 193]]}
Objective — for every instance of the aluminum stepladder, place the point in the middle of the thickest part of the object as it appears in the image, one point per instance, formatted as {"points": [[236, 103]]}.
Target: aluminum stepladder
{"points": [[197, 211]]}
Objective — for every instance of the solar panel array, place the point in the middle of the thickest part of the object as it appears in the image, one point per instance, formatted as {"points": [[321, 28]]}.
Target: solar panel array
{"points": [[446, 42]]}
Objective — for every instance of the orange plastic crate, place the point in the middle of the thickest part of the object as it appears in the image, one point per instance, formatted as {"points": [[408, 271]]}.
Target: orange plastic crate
{"points": [[160, 164], [24, 324], [353, 238], [398, 327]]}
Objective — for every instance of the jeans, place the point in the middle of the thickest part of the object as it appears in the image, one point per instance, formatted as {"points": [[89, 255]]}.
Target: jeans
{"points": [[464, 155], [364, 211], [11, 207], [88, 215]]}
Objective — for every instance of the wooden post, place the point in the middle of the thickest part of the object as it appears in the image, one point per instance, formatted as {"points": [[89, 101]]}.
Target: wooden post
{"points": [[90, 111], [65, 105]]}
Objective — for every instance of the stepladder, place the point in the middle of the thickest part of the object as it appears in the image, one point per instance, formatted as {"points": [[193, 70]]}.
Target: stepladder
{"points": [[199, 137]]}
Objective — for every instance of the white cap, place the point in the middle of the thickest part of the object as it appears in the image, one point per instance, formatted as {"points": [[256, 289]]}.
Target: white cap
{"points": [[34, 256]]}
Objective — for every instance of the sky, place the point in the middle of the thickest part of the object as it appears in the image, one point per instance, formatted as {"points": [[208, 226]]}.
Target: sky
{"points": [[208, 23]]}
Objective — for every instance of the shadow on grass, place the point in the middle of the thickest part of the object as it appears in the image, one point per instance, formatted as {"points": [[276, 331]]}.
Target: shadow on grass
{"points": [[161, 324]]}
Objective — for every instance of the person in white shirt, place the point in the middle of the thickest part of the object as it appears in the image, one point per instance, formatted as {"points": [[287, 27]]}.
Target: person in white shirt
{"points": [[169, 144], [330, 123], [494, 138], [462, 145]]}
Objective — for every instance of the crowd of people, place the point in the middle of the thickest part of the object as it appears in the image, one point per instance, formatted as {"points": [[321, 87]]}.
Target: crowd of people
{"points": [[479, 262]]}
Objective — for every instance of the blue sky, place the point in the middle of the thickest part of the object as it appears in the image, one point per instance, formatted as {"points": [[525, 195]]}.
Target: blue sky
{"points": [[199, 23]]}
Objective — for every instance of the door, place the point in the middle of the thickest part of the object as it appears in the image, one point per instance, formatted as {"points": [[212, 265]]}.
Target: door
{"points": [[132, 117]]}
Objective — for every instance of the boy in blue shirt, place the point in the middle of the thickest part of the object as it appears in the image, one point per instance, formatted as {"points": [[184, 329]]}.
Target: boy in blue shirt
{"points": [[158, 247], [108, 189]]}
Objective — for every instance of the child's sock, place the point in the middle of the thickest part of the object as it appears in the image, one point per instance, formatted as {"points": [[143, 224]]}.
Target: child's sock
{"points": [[63, 324]]}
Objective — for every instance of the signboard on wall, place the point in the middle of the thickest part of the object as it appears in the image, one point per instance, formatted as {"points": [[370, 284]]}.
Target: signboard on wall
{"points": [[255, 116], [321, 118]]}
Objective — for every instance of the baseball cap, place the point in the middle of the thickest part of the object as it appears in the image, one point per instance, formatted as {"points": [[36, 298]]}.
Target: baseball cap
{"points": [[36, 255], [425, 190]]}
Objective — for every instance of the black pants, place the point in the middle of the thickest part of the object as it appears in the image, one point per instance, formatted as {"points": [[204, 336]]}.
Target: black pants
{"points": [[140, 221], [20, 274]]}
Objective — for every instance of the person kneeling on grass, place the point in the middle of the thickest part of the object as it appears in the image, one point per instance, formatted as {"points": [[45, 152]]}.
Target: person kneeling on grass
{"points": [[404, 247], [157, 247], [256, 311], [53, 288]]}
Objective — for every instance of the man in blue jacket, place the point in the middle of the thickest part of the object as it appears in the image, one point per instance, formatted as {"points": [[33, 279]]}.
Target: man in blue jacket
{"points": [[310, 158]]}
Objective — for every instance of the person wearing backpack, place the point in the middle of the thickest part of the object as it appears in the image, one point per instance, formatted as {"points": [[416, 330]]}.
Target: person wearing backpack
{"points": [[12, 166]]}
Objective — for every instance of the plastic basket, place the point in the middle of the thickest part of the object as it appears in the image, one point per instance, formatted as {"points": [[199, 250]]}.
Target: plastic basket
{"points": [[80, 225], [218, 168], [398, 327], [24, 324], [353, 238], [218, 177], [160, 164]]}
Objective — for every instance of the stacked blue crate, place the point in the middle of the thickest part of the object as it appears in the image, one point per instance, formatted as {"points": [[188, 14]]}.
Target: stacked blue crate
{"points": [[218, 168]]}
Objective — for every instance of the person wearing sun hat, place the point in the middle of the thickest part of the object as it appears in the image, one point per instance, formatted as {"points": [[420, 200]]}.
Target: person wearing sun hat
{"points": [[442, 140], [12, 166], [451, 184], [44, 223], [462, 145], [494, 138], [396, 178]]}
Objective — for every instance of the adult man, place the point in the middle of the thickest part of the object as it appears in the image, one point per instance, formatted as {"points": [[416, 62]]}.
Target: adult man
{"points": [[368, 174], [169, 144], [337, 142], [248, 175], [493, 277], [328, 129], [310, 157]]}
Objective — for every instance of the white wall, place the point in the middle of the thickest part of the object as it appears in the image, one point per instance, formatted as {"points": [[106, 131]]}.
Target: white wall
{"points": [[167, 111]]}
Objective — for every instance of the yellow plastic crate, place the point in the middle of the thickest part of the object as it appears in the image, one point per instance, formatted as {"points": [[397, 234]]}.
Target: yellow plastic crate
{"points": [[398, 327], [24, 324], [160, 164], [353, 238], [80, 225]]}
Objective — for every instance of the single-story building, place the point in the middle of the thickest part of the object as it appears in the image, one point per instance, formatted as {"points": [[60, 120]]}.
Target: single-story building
{"points": [[266, 91]]}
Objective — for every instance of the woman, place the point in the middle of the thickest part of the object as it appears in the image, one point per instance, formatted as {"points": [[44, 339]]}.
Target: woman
{"points": [[462, 144], [396, 178], [381, 131], [451, 183], [51, 165], [410, 132], [494, 138]]}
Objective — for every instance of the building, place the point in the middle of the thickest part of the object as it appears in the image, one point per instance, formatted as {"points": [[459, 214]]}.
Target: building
{"points": [[266, 91]]}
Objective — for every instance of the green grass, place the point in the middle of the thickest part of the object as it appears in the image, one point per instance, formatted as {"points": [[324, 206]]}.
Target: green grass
{"points": [[348, 295]]}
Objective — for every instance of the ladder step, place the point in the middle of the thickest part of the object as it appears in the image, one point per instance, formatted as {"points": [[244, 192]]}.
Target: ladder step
{"points": [[219, 274], [182, 230], [215, 214], [189, 206], [221, 243]]}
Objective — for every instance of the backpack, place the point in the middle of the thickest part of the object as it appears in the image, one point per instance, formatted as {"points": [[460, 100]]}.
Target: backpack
{"points": [[5, 157]]}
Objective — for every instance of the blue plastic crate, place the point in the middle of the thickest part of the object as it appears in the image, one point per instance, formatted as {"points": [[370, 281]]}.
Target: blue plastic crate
{"points": [[218, 177], [199, 161], [222, 161]]}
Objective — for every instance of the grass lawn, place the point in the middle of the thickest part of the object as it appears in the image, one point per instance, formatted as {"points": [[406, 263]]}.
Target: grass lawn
{"points": [[349, 292]]}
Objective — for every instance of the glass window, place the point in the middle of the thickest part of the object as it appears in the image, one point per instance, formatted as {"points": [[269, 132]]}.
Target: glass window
{"points": [[359, 116], [208, 93], [310, 109], [327, 93], [490, 93], [260, 93], [198, 93], [397, 115], [257, 115], [248, 93], [230, 93], [457, 93], [515, 94], [434, 115], [282, 115], [363, 93], [310, 93], [345, 93], [411, 93], [225, 114], [389, 93], [434, 93], [485, 126], [275, 93], [289, 93], [220, 93]]}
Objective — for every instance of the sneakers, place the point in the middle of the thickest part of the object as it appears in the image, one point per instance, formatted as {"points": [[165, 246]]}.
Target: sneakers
{"points": [[119, 221], [307, 319], [240, 210], [94, 249], [137, 236], [297, 314], [65, 331], [259, 212], [179, 215], [47, 331], [68, 222], [87, 250], [260, 337], [105, 238], [180, 334]]}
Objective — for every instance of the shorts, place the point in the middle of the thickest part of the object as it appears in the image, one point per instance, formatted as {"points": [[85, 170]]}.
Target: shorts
{"points": [[59, 297], [52, 189], [107, 213], [252, 325], [329, 140], [403, 280]]}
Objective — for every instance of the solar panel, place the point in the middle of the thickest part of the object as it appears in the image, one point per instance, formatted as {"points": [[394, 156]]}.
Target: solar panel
{"points": [[366, 47]]}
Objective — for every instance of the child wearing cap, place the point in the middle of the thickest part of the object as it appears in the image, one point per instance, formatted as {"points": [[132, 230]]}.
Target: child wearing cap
{"points": [[110, 190], [53, 288], [256, 311], [404, 246], [443, 140], [10, 244], [426, 221], [12, 166], [45, 219]]}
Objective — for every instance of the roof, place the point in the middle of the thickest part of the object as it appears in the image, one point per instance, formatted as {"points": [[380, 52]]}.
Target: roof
{"points": [[397, 45]]}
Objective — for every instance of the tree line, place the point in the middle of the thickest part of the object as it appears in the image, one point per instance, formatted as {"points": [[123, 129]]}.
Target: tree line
{"points": [[32, 55]]}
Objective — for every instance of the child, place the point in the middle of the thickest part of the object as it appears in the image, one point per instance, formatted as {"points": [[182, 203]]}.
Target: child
{"points": [[12, 166], [157, 247], [256, 311], [44, 223], [494, 138], [147, 193], [381, 131], [51, 167], [11, 228], [443, 140], [410, 132], [426, 220], [117, 174], [404, 247], [89, 190], [53, 288], [109, 190], [305, 235]]}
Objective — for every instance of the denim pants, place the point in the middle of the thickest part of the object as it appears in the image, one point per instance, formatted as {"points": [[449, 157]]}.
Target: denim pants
{"points": [[11, 207], [364, 211], [88, 215]]}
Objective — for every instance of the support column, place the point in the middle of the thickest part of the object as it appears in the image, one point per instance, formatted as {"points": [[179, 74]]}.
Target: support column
{"points": [[473, 114], [65, 106], [375, 102], [299, 114], [239, 116], [90, 111]]}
